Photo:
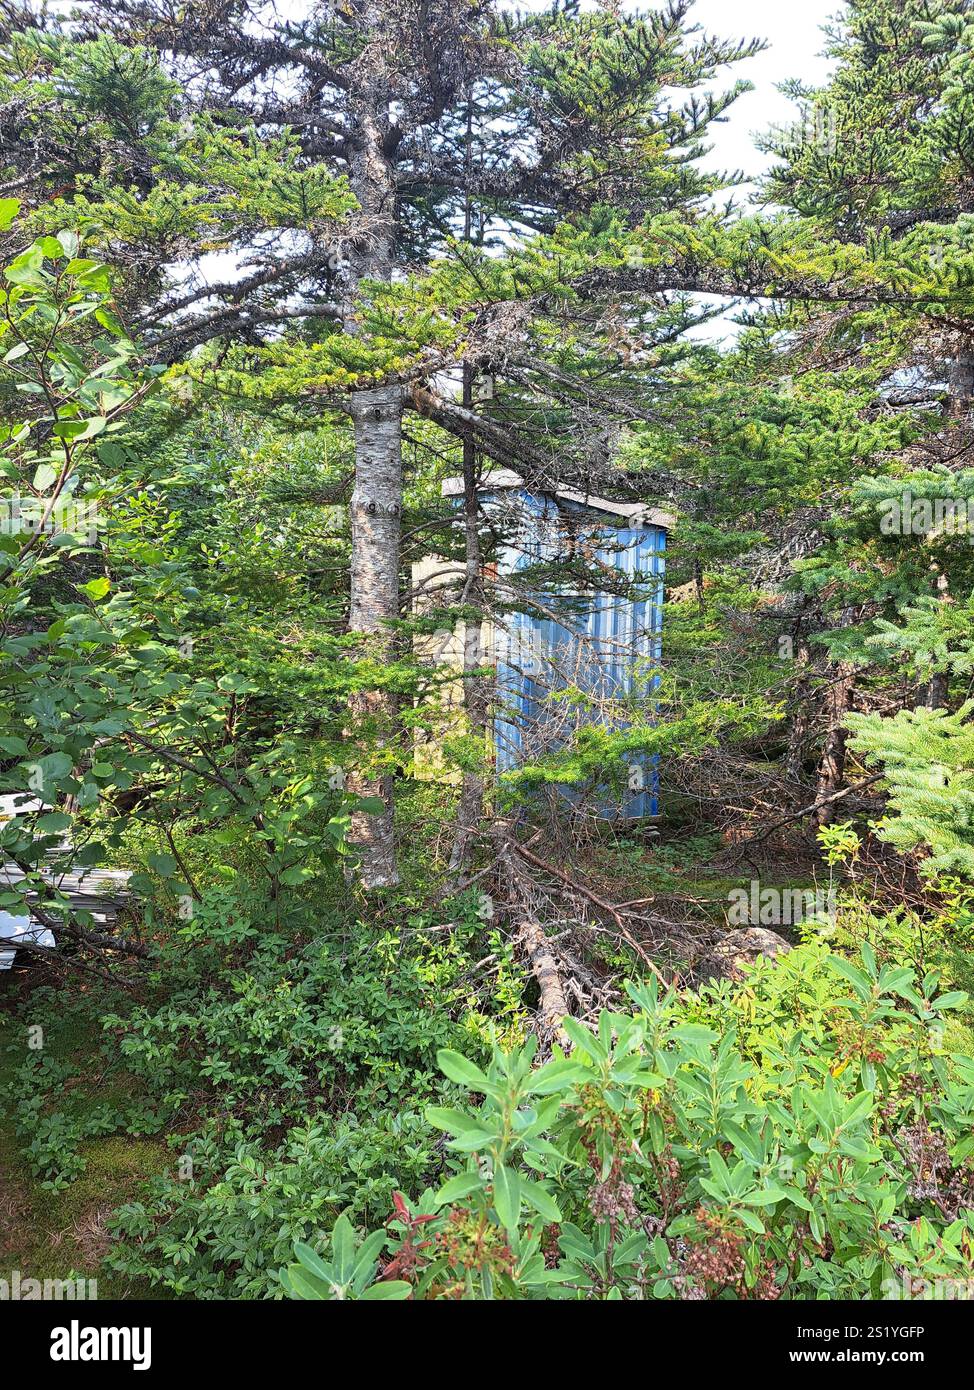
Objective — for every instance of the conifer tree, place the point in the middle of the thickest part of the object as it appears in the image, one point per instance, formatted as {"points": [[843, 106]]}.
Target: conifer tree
{"points": [[881, 160], [428, 108]]}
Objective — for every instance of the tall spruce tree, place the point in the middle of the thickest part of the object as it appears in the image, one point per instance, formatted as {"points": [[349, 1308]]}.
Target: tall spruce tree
{"points": [[882, 161], [523, 124]]}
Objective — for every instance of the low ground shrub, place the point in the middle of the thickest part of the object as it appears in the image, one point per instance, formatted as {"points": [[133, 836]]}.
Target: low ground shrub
{"points": [[669, 1157]]}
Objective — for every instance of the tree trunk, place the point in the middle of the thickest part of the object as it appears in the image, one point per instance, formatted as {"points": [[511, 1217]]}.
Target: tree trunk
{"points": [[938, 687], [376, 525], [538, 950], [832, 767], [960, 389], [960, 383], [376, 509], [476, 693], [799, 732]]}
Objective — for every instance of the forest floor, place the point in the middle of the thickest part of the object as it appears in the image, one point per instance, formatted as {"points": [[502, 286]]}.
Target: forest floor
{"points": [[59, 1235], [49, 1234], [687, 875]]}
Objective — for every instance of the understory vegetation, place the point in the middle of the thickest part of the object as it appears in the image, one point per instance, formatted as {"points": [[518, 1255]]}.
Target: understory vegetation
{"points": [[326, 993]]}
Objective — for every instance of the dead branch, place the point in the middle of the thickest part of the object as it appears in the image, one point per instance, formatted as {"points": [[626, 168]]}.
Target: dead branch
{"points": [[614, 912], [769, 830], [531, 936]]}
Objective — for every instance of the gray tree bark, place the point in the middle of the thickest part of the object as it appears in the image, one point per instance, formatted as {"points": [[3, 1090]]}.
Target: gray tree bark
{"points": [[960, 391], [376, 508], [798, 734], [476, 693], [376, 524], [832, 766], [960, 383]]}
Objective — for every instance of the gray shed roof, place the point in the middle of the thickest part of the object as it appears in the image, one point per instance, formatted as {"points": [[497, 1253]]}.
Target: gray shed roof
{"points": [[637, 513]]}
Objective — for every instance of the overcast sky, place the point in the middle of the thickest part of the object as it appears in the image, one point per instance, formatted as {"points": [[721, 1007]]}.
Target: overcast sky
{"points": [[793, 31]]}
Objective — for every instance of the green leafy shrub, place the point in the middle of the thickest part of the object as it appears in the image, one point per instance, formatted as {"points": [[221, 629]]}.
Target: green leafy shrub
{"points": [[663, 1159], [223, 1230], [348, 1274], [288, 1068]]}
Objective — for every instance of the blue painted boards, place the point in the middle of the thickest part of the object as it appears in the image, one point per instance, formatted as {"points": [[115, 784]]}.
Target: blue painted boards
{"points": [[605, 643]]}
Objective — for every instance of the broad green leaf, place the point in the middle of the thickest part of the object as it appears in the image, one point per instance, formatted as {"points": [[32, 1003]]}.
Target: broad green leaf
{"points": [[306, 1286], [859, 981], [312, 1261], [163, 864], [695, 1033], [343, 1249], [387, 1289], [539, 1198], [954, 999], [44, 477], [557, 1076], [460, 1069], [507, 1197], [766, 1197], [456, 1122], [462, 1185]]}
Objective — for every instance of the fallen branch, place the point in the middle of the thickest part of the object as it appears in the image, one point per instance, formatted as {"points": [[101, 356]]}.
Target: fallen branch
{"points": [[57, 961], [538, 950], [62, 921], [544, 967], [601, 903]]}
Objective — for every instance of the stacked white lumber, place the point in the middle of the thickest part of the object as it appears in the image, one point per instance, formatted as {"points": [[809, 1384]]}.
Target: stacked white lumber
{"points": [[98, 891]]}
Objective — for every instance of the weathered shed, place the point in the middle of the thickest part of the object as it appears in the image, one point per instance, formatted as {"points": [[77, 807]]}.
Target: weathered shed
{"points": [[555, 633]]}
